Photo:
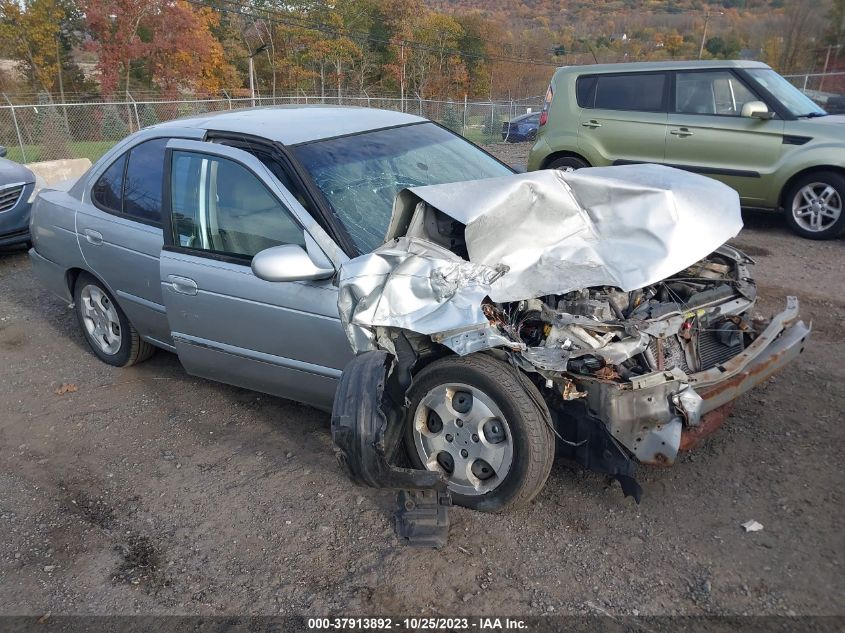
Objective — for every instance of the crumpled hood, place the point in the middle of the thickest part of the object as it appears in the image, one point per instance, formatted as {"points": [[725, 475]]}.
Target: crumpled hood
{"points": [[530, 235]]}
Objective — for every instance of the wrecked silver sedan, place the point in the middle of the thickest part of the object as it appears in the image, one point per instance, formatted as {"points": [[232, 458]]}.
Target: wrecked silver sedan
{"points": [[596, 313]]}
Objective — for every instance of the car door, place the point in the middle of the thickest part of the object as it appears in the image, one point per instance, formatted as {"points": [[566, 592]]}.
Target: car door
{"points": [[223, 206], [708, 135], [623, 117], [119, 231]]}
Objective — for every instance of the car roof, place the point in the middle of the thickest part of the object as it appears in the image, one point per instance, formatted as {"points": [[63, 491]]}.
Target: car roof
{"points": [[293, 124], [655, 66]]}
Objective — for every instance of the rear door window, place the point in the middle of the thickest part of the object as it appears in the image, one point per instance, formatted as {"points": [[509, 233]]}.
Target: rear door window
{"points": [[107, 192], [132, 184], [144, 174], [642, 92]]}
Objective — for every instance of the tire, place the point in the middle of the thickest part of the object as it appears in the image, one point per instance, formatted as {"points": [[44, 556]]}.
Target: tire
{"points": [[109, 334], [814, 206], [568, 163], [526, 432]]}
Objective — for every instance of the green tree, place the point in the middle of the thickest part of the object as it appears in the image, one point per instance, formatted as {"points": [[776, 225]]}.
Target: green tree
{"points": [[112, 127]]}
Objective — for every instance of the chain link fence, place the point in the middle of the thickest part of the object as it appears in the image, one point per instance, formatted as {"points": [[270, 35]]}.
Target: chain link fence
{"points": [[826, 89], [48, 130]]}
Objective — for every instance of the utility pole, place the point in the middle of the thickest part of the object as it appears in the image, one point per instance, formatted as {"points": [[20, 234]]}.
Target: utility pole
{"points": [[62, 85], [258, 50], [827, 62], [704, 32], [402, 75]]}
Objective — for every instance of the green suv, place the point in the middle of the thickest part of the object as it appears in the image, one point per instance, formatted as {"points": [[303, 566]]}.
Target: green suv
{"points": [[739, 122]]}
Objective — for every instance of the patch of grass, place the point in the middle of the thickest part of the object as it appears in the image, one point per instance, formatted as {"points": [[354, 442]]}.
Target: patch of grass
{"points": [[80, 149]]}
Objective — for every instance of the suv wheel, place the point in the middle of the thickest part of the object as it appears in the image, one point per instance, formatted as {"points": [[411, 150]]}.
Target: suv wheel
{"points": [[814, 205], [106, 328], [568, 163], [483, 425]]}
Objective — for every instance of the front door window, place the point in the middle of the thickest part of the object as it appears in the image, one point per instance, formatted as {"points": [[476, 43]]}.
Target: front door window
{"points": [[219, 206], [717, 92]]}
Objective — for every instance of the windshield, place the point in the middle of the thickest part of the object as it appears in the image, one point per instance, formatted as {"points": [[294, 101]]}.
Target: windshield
{"points": [[792, 99], [361, 174]]}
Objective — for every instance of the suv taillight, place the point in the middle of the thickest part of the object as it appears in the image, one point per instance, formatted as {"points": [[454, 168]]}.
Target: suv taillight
{"points": [[547, 102]]}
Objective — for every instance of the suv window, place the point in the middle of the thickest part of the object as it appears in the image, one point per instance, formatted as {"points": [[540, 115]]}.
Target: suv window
{"points": [[108, 190], [219, 206], [643, 92], [585, 91], [142, 186], [717, 92]]}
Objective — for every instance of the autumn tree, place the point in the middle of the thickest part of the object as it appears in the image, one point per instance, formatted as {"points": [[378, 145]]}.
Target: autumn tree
{"points": [[170, 40], [39, 34]]}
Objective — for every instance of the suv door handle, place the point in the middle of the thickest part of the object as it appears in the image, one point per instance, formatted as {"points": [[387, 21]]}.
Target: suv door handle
{"points": [[683, 132], [183, 285], [592, 124], [93, 237]]}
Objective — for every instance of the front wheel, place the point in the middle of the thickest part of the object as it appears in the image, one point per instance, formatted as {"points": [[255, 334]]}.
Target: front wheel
{"points": [[814, 206], [485, 427]]}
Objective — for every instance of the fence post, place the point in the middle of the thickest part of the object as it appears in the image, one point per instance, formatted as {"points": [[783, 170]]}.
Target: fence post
{"points": [[17, 127], [464, 123], [492, 121], [135, 108], [806, 79], [228, 98]]}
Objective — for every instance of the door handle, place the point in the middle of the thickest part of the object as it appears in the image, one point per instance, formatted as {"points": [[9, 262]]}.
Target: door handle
{"points": [[592, 124], [183, 285], [93, 237], [683, 132]]}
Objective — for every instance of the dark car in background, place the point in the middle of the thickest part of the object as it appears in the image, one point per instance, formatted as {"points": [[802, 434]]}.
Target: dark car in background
{"points": [[17, 187], [521, 128], [835, 105]]}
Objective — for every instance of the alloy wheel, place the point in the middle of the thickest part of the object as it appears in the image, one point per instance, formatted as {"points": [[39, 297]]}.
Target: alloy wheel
{"points": [[816, 207]]}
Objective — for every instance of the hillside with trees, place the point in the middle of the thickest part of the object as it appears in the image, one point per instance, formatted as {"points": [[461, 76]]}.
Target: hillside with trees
{"points": [[429, 48]]}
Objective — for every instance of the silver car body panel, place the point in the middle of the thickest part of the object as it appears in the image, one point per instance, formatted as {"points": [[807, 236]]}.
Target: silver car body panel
{"points": [[286, 338], [282, 338], [530, 235], [550, 233], [70, 235]]}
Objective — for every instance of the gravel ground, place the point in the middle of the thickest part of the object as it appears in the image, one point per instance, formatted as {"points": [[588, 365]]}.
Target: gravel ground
{"points": [[145, 490]]}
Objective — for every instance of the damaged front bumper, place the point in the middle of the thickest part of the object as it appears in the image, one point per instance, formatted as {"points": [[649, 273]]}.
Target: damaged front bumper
{"points": [[367, 432], [656, 415]]}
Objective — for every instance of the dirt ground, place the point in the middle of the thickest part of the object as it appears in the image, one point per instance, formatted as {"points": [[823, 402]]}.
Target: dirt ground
{"points": [[145, 490]]}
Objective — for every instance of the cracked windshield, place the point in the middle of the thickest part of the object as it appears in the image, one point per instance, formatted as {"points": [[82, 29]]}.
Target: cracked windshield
{"points": [[361, 174]]}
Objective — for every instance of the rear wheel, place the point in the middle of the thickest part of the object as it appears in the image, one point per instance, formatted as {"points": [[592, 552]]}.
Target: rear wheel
{"points": [[486, 428], [568, 163], [814, 205], [106, 328]]}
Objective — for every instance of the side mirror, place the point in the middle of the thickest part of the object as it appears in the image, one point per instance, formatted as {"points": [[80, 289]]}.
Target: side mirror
{"points": [[756, 110], [288, 262], [2, 151]]}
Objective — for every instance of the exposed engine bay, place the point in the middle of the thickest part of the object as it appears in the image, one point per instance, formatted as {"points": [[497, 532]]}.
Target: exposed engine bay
{"points": [[611, 289]]}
